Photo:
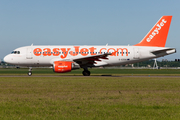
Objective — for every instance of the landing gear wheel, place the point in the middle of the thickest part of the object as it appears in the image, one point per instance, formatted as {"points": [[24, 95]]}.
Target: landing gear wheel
{"points": [[86, 73], [29, 73]]}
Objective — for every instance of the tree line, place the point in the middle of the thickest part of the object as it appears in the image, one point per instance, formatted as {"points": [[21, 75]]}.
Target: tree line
{"points": [[148, 63], [165, 63]]}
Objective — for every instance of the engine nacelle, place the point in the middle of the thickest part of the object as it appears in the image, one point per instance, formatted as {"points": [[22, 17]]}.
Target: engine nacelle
{"points": [[64, 66]]}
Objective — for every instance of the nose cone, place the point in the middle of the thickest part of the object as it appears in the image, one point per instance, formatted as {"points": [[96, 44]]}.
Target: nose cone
{"points": [[7, 59]]}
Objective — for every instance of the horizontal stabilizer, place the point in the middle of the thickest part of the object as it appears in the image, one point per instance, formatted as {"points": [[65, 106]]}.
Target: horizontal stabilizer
{"points": [[166, 51]]}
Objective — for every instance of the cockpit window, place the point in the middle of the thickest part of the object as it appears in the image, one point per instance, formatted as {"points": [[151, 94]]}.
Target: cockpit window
{"points": [[15, 52]]}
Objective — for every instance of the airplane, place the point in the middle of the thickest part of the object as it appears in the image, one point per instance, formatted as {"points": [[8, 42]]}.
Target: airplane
{"points": [[66, 58]]}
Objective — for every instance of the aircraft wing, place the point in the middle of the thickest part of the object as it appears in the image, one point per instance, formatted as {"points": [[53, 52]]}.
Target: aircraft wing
{"points": [[91, 60]]}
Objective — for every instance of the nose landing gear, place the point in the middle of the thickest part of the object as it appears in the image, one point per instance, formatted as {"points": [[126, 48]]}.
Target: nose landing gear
{"points": [[30, 71]]}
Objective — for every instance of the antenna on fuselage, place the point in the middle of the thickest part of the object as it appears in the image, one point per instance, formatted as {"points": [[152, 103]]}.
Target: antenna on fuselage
{"points": [[32, 44], [107, 44]]}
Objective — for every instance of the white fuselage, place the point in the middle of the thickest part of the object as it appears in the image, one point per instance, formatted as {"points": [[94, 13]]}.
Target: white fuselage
{"points": [[37, 56], [66, 58]]}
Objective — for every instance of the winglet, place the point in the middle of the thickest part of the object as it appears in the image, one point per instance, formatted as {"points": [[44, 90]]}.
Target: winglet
{"points": [[158, 34]]}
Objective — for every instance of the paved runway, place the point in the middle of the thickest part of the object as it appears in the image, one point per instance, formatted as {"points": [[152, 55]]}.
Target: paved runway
{"points": [[162, 76]]}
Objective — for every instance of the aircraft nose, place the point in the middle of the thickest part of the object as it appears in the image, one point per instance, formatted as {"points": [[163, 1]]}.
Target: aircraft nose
{"points": [[7, 59]]}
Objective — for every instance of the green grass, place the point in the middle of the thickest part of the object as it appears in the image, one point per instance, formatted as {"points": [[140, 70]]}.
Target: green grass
{"points": [[47, 71], [90, 98]]}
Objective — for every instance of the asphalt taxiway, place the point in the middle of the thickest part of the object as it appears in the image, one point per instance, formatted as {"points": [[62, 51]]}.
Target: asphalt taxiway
{"points": [[161, 76]]}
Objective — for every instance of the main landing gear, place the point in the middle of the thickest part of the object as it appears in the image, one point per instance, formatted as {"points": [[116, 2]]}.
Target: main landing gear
{"points": [[86, 72], [30, 71]]}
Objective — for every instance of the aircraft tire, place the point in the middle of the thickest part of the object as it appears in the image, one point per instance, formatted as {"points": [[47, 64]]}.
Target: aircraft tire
{"points": [[29, 73], [86, 73]]}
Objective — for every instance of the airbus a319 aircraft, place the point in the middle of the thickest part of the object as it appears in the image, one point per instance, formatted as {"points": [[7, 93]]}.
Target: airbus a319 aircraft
{"points": [[66, 58]]}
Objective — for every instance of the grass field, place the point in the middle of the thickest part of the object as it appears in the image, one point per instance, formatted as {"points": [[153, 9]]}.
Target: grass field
{"points": [[89, 98]]}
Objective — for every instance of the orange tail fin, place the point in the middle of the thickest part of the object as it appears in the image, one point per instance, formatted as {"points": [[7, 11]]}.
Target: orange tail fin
{"points": [[158, 34]]}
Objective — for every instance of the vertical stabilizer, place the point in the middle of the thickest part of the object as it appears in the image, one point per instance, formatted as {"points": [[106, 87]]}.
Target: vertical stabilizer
{"points": [[158, 34]]}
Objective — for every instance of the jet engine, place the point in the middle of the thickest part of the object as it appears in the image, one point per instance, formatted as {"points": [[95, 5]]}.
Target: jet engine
{"points": [[64, 66]]}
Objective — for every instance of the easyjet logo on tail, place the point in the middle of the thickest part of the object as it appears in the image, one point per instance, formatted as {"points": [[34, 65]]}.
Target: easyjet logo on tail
{"points": [[156, 30], [76, 50], [157, 36]]}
